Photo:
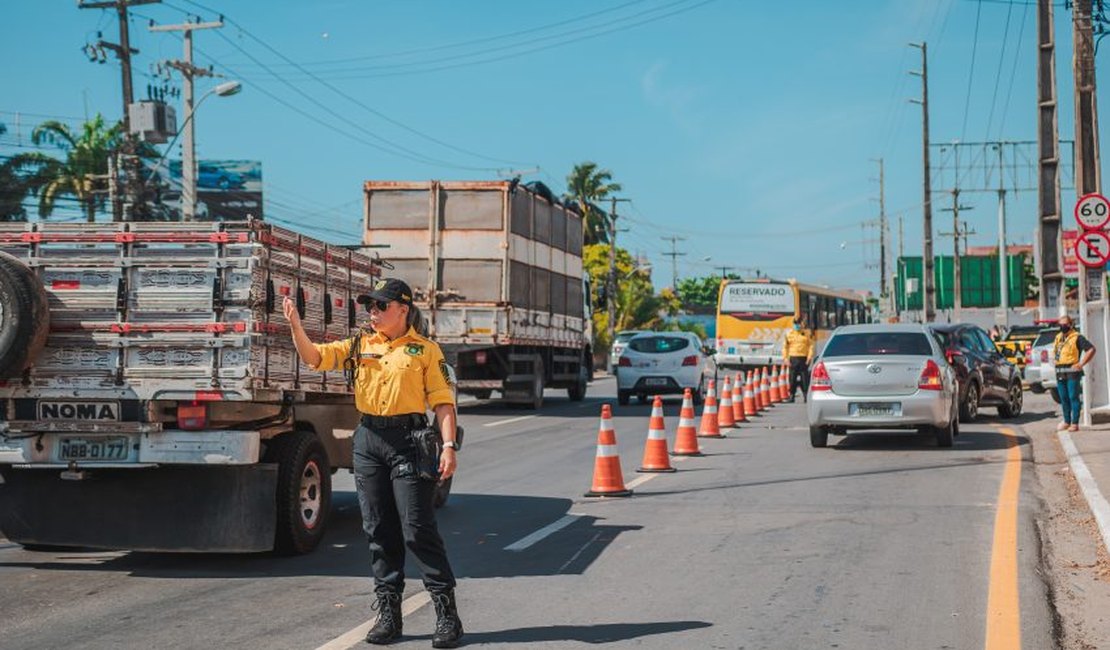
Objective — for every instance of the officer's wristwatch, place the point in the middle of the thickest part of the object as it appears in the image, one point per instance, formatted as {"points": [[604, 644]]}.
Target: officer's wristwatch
{"points": [[451, 444]]}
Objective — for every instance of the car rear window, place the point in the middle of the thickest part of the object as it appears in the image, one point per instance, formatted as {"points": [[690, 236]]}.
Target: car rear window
{"points": [[870, 343], [1046, 337], [659, 344]]}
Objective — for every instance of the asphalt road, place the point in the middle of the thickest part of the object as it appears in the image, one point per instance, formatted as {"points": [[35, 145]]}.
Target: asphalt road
{"points": [[879, 541]]}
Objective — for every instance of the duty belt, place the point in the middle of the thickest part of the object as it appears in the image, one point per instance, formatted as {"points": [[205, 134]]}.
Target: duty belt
{"points": [[407, 421]]}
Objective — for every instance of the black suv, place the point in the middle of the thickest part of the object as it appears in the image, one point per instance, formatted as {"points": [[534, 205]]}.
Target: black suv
{"points": [[986, 378]]}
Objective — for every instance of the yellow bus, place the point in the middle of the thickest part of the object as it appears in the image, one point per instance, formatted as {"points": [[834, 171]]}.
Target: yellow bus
{"points": [[753, 317]]}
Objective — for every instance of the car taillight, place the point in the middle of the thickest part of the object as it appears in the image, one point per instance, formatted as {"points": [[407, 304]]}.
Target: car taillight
{"points": [[192, 416], [819, 380], [1028, 355], [1044, 356], [930, 377], [952, 355], [690, 361], [625, 362], [720, 343]]}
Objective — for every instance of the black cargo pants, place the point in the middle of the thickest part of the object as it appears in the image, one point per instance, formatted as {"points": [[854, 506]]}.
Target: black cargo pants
{"points": [[799, 376], [397, 510]]}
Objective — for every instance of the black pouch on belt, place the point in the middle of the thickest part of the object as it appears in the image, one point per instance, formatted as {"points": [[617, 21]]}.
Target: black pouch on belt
{"points": [[428, 444]]}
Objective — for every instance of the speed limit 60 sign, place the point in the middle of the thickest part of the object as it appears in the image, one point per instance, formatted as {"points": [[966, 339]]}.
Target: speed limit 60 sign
{"points": [[1092, 211]]}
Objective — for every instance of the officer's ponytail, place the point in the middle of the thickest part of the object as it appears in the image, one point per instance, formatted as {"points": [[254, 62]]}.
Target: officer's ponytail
{"points": [[416, 321]]}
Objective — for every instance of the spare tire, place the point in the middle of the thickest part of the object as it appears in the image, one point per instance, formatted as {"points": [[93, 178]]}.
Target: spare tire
{"points": [[24, 316]]}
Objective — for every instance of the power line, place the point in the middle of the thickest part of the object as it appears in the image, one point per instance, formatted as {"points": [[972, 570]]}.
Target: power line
{"points": [[459, 44], [998, 74], [971, 70], [1013, 71]]}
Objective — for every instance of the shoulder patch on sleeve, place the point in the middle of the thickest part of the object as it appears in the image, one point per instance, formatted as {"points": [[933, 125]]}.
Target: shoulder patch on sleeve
{"points": [[446, 373]]}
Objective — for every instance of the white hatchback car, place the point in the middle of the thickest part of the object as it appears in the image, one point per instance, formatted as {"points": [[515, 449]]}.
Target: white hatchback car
{"points": [[664, 363]]}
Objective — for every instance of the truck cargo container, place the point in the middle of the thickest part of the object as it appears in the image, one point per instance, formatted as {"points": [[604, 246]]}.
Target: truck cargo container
{"points": [[497, 268]]}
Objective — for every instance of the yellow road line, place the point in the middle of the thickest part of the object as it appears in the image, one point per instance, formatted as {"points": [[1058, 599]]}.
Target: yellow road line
{"points": [[1003, 613]]}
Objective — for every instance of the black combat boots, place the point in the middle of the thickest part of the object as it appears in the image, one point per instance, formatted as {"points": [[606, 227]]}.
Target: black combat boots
{"points": [[449, 628], [388, 626]]}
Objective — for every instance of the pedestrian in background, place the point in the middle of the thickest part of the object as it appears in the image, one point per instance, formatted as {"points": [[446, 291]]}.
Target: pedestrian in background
{"points": [[798, 352], [397, 374], [1072, 351]]}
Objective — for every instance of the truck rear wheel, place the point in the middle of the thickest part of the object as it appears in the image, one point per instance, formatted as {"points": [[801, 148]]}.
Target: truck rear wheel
{"points": [[537, 384], [577, 392], [303, 491], [24, 316]]}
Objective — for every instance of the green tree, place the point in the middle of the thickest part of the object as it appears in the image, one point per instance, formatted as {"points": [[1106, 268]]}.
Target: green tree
{"points": [[700, 294], [637, 306], [12, 190], [589, 186], [80, 174]]}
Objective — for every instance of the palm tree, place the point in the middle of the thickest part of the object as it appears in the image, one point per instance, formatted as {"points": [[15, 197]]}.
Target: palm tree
{"points": [[12, 190], [589, 185], [81, 174]]}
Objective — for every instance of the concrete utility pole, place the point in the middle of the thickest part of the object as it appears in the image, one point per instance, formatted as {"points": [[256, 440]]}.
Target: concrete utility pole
{"points": [[927, 207], [1093, 313], [123, 52], [674, 255], [1003, 256], [611, 293], [957, 281], [1050, 250], [883, 228], [188, 72]]}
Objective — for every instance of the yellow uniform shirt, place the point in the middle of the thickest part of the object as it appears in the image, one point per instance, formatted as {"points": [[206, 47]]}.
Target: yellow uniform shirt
{"points": [[798, 344], [395, 377]]}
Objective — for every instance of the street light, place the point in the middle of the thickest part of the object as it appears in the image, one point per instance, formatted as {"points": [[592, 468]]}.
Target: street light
{"points": [[188, 164]]}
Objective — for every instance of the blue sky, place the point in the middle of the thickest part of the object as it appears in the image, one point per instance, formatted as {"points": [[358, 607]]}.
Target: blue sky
{"points": [[749, 128]]}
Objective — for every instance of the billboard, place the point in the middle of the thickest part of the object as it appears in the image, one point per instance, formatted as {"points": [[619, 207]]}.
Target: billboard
{"points": [[227, 190]]}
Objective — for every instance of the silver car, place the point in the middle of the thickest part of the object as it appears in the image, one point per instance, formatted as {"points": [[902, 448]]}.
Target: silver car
{"points": [[1040, 367], [882, 377]]}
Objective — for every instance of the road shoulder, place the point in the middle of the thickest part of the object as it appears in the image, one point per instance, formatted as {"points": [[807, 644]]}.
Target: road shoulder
{"points": [[1074, 561]]}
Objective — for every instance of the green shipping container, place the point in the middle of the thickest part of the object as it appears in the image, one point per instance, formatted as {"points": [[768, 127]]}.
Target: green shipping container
{"points": [[978, 278]]}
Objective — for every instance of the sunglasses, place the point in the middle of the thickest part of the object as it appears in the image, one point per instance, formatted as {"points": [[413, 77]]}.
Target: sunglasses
{"points": [[380, 305]]}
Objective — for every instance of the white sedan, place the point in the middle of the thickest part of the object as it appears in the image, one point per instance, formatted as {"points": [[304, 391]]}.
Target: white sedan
{"points": [[664, 363]]}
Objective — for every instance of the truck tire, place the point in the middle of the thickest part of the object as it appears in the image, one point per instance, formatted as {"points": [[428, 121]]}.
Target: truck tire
{"points": [[303, 491], [577, 392], [537, 384], [24, 316]]}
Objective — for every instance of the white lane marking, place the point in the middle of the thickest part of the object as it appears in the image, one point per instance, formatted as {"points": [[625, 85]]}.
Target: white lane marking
{"points": [[1095, 500], [640, 480], [357, 636], [509, 421], [579, 553], [534, 538]]}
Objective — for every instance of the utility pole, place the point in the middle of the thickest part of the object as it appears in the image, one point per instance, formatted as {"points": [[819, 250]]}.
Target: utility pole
{"points": [[674, 255], [957, 281], [927, 206], [611, 293], [882, 235], [1093, 313], [123, 52], [188, 73], [1050, 249], [1003, 256], [724, 271]]}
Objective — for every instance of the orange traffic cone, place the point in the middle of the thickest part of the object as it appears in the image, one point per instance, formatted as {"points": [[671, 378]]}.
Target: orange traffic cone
{"points": [[738, 399], [785, 380], [608, 477], [655, 449], [724, 414], [777, 393], [709, 427], [749, 397], [764, 389], [686, 436]]}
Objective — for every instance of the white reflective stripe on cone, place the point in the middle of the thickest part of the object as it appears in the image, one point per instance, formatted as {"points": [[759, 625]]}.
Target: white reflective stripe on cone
{"points": [[686, 422], [657, 434], [606, 451], [607, 425]]}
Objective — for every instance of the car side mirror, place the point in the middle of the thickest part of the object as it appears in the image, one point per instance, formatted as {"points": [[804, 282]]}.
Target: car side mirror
{"points": [[708, 351]]}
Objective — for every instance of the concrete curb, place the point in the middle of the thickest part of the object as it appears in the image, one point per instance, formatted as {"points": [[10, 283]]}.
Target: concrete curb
{"points": [[1095, 500]]}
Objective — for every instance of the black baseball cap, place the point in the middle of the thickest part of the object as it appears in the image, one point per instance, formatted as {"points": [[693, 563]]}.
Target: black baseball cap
{"points": [[387, 290]]}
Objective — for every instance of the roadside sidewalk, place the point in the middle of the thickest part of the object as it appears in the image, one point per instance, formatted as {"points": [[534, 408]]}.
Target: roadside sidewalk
{"points": [[1073, 484]]}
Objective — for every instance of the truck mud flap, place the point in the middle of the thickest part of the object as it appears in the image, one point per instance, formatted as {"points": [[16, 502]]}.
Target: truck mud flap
{"points": [[184, 509]]}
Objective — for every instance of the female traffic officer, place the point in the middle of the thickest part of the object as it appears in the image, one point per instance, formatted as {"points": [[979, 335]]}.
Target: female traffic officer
{"points": [[1072, 351], [397, 373]]}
